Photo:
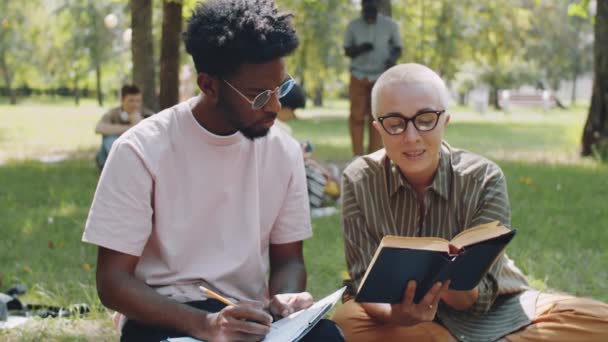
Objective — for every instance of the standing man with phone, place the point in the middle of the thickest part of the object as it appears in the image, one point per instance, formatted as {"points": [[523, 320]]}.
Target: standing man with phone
{"points": [[374, 44]]}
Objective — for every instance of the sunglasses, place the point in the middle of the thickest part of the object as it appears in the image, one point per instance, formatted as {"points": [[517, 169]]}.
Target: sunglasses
{"points": [[262, 98]]}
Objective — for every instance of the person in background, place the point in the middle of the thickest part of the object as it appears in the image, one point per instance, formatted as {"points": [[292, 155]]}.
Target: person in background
{"points": [[295, 99], [373, 44], [118, 120]]}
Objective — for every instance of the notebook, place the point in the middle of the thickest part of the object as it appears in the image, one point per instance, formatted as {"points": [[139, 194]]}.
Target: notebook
{"points": [[295, 326]]}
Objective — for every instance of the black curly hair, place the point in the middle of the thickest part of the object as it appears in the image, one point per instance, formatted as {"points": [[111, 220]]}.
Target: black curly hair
{"points": [[223, 34]]}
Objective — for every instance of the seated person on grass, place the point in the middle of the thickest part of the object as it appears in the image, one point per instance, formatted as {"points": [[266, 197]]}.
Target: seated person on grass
{"points": [[209, 193], [418, 185], [295, 99], [118, 120]]}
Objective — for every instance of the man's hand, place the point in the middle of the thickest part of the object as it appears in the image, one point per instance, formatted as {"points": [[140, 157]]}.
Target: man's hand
{"points": [[460, 300], [366, 47], [389, 64], [407, 313], [135, 118], [243, 322], [285, 304], [356, 50]]}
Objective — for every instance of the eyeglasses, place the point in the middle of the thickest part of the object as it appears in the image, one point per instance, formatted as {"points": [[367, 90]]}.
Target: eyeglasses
{"points": [[396, 123], [262, 98]]}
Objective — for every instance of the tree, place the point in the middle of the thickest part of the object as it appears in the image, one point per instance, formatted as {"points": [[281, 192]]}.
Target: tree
{"points": [[570, 52], [142, 48], [169, 55], [497, 44], [318, 61], [88, 41], [16, 48], [596, 126]]}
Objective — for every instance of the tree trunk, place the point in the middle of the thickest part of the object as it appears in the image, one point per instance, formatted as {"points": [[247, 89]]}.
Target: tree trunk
{"points": [[596, 127], [318, 98], [142, 48], [8, 80], [12, 95], [494, 96], [76, 92], [98, 78], [169, 53], [494, 86], [422, 17], [573, 94], [385, 7]]}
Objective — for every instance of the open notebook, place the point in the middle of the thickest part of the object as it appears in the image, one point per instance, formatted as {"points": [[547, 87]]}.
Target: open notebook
{"points": [[295, 326]]}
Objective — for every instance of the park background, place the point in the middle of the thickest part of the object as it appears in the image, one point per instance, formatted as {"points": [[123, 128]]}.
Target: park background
{"points": [[62, 63]]}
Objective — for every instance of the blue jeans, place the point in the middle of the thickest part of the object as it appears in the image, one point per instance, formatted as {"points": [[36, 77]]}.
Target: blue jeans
{"points": [[325, 330], [104, 150]]}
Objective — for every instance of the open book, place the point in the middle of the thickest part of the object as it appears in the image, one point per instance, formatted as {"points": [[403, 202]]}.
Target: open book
{"points": [[465, 260], [295, 326]]}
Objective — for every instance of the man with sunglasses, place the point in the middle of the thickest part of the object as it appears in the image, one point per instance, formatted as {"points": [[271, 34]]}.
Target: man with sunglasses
{"points": [[208, 193], [419, 185]]}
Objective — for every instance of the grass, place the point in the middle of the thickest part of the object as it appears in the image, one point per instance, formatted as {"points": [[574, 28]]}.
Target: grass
{"points": [[558, 203], [35, 130]]}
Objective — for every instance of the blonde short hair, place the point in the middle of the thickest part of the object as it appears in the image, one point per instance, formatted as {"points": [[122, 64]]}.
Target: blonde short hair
{"points": [[410, 73]]}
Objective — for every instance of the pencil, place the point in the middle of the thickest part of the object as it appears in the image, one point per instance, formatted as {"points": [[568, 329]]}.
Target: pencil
{"points": [[215, 296], [220, 298]]}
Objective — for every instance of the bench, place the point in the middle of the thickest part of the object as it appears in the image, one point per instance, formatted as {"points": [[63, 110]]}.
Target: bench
{"points": [[510, 98]]}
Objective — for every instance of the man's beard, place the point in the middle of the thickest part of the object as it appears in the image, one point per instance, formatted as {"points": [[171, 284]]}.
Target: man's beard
{"points": [[253, 131]]}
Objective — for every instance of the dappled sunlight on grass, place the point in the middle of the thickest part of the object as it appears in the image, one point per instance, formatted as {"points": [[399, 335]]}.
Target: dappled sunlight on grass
{"points": [[43, 213], [36, 130], [63, 329]]}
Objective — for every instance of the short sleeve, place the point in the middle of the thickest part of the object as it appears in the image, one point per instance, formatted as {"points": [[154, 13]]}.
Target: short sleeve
{"points": [[293, 222], [349, 37], [120, 217], [493, 205], [356, 245], [396, 36], [107, 117]]}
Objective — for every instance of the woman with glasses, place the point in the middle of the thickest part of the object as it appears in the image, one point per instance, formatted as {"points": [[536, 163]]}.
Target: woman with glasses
{"points": [[419, 185]]}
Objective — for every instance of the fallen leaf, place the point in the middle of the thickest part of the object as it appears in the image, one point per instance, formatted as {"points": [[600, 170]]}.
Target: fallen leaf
{"points": [[27, 269], [86, 267], [525, 180], [51, 244]]}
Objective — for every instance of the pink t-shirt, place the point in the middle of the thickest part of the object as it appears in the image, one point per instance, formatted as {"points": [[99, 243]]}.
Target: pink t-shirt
{"points": [[199, 208]]}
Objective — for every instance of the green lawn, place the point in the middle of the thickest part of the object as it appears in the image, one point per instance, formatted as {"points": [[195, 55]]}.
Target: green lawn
{"points": [[557, 201]]}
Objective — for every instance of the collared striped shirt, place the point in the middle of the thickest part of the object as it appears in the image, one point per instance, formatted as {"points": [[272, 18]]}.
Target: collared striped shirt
{"points": [[467, 191]]}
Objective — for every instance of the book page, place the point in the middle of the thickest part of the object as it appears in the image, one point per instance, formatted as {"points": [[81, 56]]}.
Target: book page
{"points": [[479, 233], [294, 326], [426, 243]]}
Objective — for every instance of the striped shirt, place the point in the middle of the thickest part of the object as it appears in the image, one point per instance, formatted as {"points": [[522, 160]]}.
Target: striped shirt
{"points": [[467, 191]]}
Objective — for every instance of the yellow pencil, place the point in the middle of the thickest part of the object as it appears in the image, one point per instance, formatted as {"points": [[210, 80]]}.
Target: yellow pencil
{"points": [[215, 296], [219, 297]]}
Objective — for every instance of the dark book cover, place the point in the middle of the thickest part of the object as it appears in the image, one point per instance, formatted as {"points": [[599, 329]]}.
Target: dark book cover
{"points": [[394, 267]]}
